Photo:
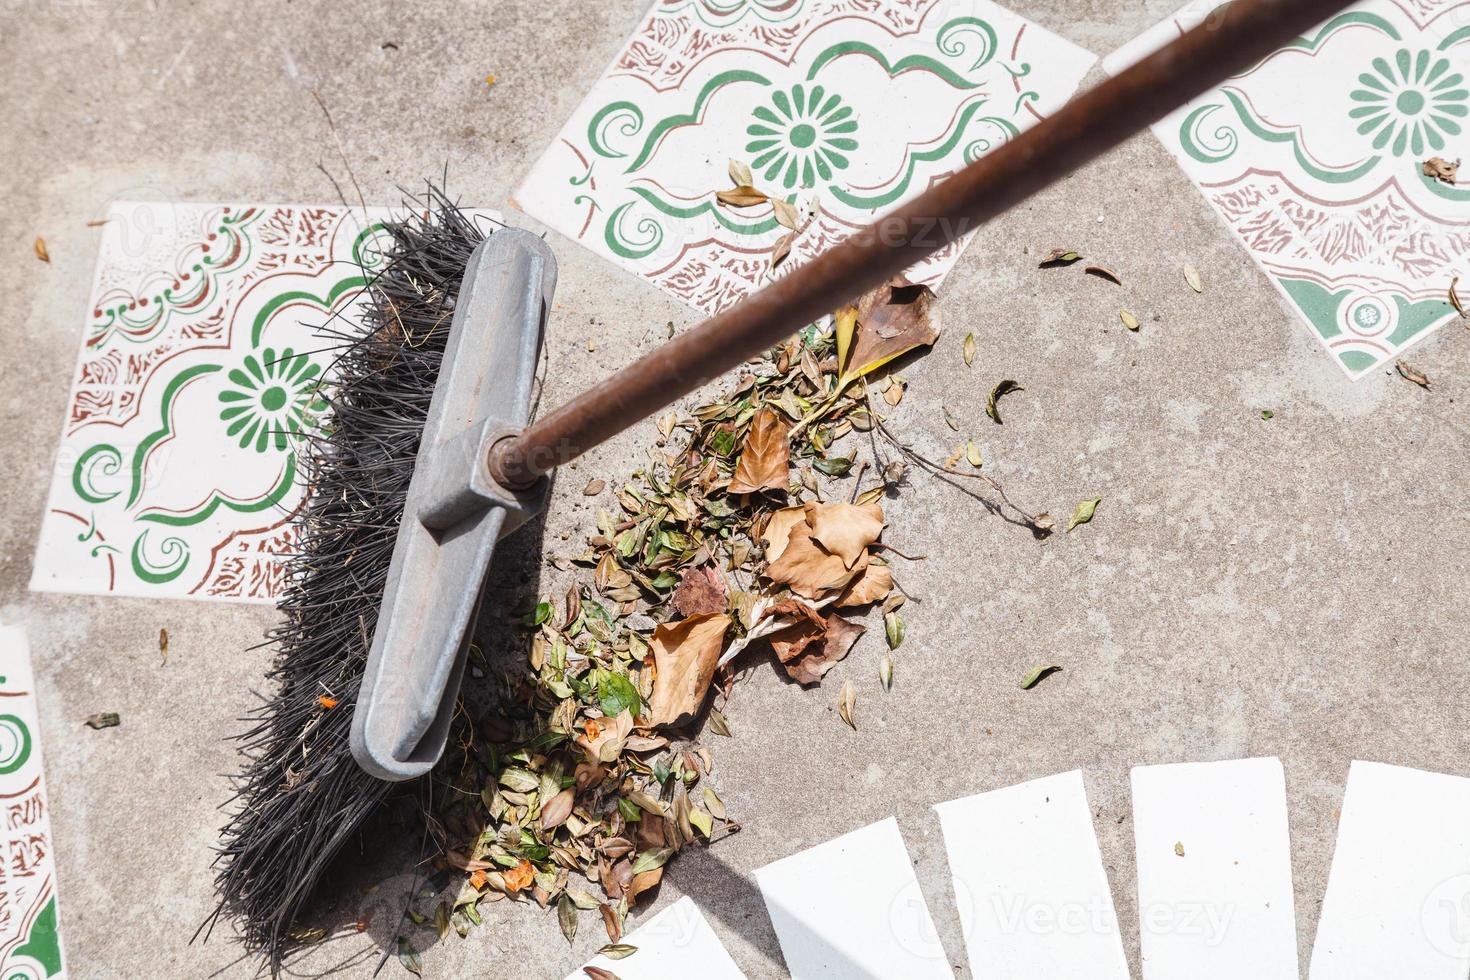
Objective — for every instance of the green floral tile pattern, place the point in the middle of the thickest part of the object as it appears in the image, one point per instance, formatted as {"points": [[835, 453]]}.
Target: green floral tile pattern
{"points": [[200, 374], [843, 108], [30, 937], [1314, 159]]}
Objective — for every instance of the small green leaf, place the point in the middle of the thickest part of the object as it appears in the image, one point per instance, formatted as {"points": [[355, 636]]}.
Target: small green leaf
{"points": [[1060, 256], [409, 958], [566, 917], [893, 629], [972, 453], [701, 821], [1037, 675], [1267, 414], [969, 349], [540, 614], [652, 860], [992, 407], [715, 804], [834, 465], [631, 811], [1083, 513], [885, 672], [616, 694]]}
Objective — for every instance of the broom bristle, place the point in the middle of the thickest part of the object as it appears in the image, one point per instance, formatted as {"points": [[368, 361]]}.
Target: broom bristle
{"points": [[301, 796]]}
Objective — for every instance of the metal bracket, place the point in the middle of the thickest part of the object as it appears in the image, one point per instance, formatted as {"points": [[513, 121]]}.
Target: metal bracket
{"points": [[455, 511]]}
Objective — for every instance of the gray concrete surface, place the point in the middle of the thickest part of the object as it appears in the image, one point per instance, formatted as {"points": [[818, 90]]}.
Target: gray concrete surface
{"points": [[1289, 587]]}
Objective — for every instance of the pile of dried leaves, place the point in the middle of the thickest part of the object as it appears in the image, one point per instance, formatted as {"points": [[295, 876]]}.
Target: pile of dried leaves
{"points": [[587, 777]]}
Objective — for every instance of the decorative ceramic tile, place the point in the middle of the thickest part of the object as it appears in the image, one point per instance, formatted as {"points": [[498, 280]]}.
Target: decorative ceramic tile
{"points": [[857, 105], [1314, 159], [178, 473], [30, 939]]}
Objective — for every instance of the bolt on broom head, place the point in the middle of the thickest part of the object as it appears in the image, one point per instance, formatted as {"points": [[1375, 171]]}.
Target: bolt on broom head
{"points": [[301, 796]]}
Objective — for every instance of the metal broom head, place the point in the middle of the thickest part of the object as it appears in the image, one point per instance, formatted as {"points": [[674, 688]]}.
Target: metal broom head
{"points": [[301, 796]]}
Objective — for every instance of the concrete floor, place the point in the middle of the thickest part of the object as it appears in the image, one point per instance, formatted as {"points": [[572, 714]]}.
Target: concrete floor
{"points": [[1289, 587]]}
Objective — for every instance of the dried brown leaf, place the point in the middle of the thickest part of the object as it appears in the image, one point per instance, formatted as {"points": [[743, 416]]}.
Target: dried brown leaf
{"points": [[685, 654], [1103, 272], [782, 248], [765, 458], [594, 487], [41, 252], [701, 591], [811, 644], [1411, 374], [1441, 169], [786, 214], [1455, 298], [846, 702], [556, 810], [872, 586], [743, 196], [887, 323], [808, 568], [845, 530]]}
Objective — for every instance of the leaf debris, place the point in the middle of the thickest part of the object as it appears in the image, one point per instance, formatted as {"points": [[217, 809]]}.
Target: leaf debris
{"points": [[1038, 674], [1084, 512], [1411, 374], [992, 406]]}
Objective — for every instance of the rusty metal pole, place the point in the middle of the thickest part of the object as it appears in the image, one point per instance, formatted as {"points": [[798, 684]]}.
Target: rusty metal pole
{"points": [[1232, 39]]}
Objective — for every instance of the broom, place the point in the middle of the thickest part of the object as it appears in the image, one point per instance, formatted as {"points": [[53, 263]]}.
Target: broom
{"points": [[302, 793]]}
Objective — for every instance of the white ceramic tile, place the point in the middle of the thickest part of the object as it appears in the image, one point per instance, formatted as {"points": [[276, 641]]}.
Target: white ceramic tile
{"points": [[675, 944], [1029, 883], [1314, 156], [1398, 896], [30, 938], [851, 909], [856, 104], [1214, 871]]}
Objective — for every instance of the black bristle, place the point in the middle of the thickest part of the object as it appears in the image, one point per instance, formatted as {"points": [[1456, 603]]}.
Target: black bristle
{"points": [[300, 796]]}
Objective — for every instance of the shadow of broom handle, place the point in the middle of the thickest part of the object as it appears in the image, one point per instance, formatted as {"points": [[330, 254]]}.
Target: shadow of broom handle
{"points": [[1230, 40]]}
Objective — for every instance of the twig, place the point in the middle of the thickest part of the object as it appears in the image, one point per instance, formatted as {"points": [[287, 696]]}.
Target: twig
{"points": [[857, 483], [341, 151], [942, 472]]}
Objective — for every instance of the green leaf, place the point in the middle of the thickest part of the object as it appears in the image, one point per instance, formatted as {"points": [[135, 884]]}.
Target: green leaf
{"points": [[833, 466], [894, 629], [540, 614], [1267, 414], [969, 349], [616, 694], [1083, 513], [409, 958], [566, 917], [992, 408], [652, 860], [1037, 675], [701, 821], [631, 811]]}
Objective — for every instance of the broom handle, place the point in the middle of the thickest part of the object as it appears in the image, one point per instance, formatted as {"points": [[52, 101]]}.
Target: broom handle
{"points": [[1232, 39]]}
